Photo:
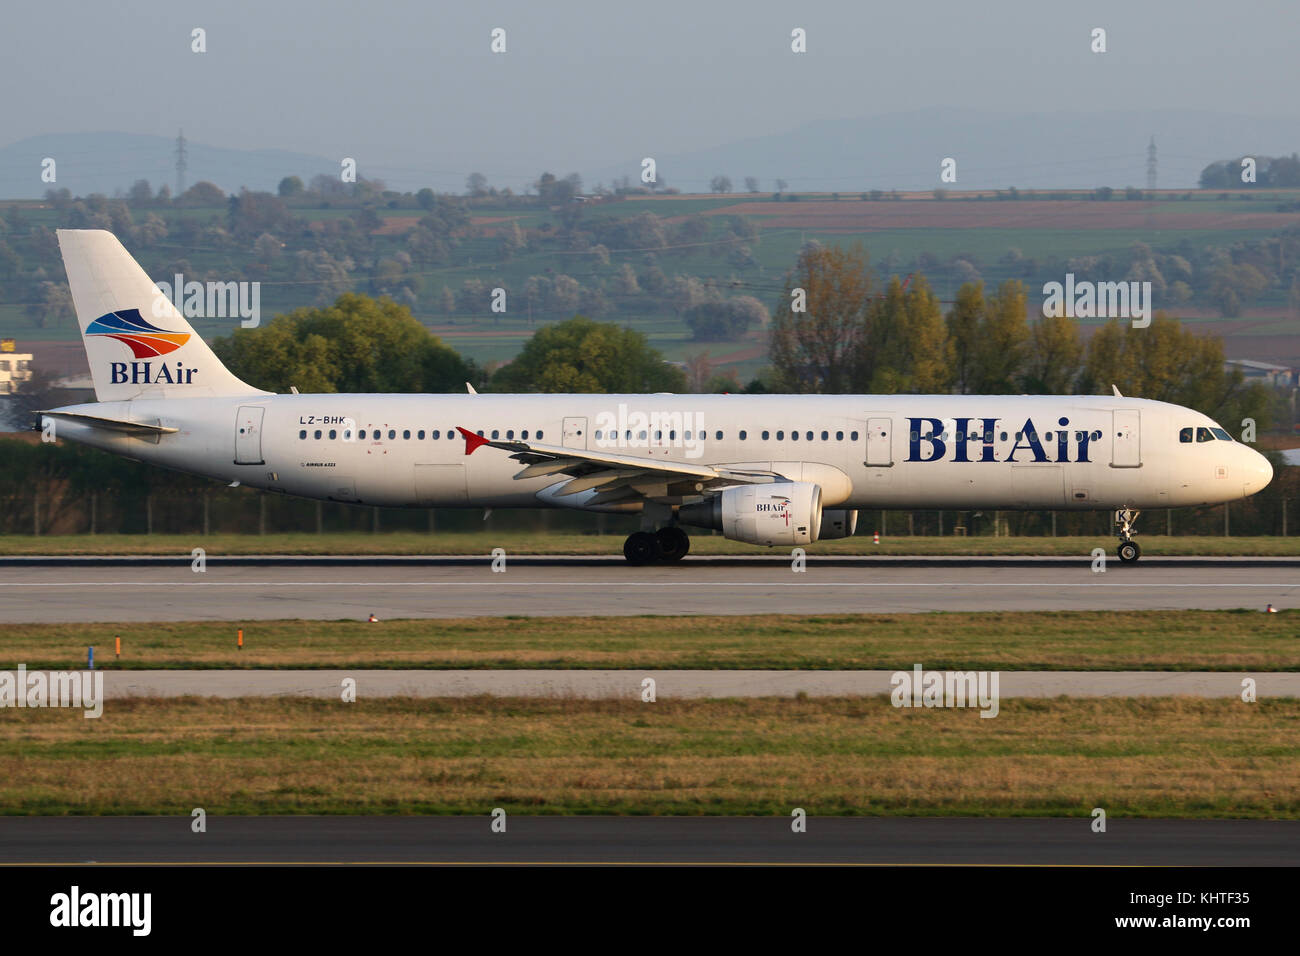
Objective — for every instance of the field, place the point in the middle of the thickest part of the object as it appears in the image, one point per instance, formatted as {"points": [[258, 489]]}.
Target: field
{"points": [[558, 543], [1031, 640], [1166, 757]]}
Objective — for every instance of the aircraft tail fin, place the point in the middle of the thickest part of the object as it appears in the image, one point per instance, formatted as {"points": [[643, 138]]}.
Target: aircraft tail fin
{"points": [[137, 343]]}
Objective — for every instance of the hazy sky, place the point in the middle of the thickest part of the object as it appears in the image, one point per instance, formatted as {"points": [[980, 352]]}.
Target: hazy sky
{"points": [[409, 84]]}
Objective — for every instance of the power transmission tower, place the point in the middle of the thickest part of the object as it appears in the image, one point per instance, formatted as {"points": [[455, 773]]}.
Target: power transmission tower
{"points": [[1151, 164], [181, 164]]}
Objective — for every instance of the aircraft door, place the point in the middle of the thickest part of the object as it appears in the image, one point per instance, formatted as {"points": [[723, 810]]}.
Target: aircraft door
{"points": [[248, 435], [880, 451], [1126, 440], [575, 433]]}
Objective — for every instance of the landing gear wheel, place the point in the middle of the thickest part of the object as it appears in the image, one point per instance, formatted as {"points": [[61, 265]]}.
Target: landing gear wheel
{"points": [[641, 547], [673, 543], [1129, 551]]}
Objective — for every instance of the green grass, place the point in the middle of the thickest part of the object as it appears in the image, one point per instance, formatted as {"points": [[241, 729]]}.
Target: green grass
{"points": [[1164, 757], [548, 543], [1030, 640]]}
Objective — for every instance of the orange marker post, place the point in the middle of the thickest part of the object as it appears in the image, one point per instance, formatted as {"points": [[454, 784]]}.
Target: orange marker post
{"points": [[117, 642], [241, 639]]}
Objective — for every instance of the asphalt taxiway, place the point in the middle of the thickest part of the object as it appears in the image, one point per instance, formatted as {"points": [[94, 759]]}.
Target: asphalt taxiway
{"points": [[159, 589], [629, 840]]}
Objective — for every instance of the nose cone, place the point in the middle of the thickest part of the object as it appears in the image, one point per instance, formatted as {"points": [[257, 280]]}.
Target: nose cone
{"points": [[1258, 472]]}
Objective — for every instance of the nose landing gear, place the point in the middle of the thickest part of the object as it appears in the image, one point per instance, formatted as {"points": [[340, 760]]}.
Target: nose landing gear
{"points": [[1128, 549]]}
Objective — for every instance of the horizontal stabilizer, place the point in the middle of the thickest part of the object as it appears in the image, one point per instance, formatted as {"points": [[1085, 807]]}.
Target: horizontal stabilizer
{"points": [[140, 429]]}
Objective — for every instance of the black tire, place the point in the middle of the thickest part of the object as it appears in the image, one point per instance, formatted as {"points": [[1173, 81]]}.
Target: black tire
{"points": [[641, 547], [673, 543], [1128, 551]]}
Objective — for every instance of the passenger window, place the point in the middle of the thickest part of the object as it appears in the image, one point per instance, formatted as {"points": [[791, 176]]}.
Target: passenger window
{"points": [[435, 434], [717, 436], [420, 434], [1220, 434], [392, 433], [839, 436], [794, 436], [524, 434], [539, 434], [1185, 436], [853, 436], [672, 434], [780, 436], [303, 433], [360, 434], [333, 434], [826, 436], [742, 434], [765, 434], [317, 436], [915, 437], [510, 434], [809, 436], [406, 434], [1204, 434], [495, 434], [1004, 436]]}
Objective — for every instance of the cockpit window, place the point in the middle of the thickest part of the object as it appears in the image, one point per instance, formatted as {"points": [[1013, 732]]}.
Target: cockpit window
{"points": [[1220, 434], [1185, 435], [1204, 434]]}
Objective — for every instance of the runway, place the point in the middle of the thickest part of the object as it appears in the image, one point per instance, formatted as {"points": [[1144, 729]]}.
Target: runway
{"points": [[629, 840], [99, 589], [668, 684]]}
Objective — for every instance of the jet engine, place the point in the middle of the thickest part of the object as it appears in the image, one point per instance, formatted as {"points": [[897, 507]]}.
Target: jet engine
{"points": [[780, 513]]}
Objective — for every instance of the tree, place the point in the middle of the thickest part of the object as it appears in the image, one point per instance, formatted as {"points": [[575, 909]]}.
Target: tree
{"points": [[965, 320], [1005, 331], [140, 193], [289, 186], [818, 350], [1168, 363], [751, 184], [476, 184], [203, 193], [720, 184], [1053, 358], [724, 320], [780, 185], [582, 355], [357, 344], [53, 304]]}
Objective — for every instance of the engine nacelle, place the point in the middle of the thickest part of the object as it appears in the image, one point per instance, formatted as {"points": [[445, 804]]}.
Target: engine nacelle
{"points": [[838, 523], [780, 513]]}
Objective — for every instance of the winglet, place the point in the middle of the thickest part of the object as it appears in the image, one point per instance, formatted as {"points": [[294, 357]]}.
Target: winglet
{"points": [[471, 389], [472, 441], [1115, 389]]}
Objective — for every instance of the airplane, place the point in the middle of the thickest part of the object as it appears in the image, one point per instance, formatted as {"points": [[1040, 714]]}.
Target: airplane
{"points": [[769, 470]]}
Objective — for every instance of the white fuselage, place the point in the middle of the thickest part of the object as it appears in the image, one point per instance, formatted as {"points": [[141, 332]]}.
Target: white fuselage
{"points": [[865, 451]]}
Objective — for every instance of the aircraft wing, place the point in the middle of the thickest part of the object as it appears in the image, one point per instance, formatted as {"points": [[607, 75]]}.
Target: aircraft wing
{"points": [[617, 477]]}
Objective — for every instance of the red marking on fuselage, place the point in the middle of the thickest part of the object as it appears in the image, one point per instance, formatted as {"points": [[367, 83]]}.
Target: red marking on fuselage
{"points": [[472, 441]]}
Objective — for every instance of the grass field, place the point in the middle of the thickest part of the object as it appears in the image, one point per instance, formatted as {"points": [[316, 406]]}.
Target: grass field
{"points": [[1167, 757], [1029, 640], [549, 543]]}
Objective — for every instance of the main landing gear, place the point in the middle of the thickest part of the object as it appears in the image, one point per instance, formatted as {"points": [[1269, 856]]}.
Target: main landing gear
{"points": [[1128, 549], [647, 547]]}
